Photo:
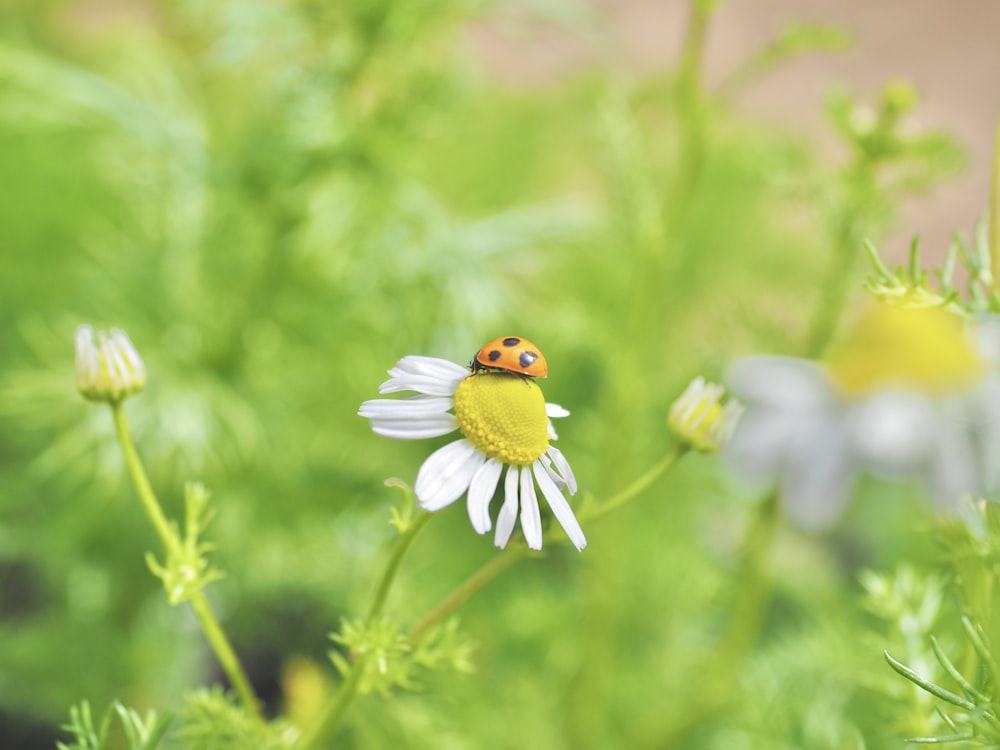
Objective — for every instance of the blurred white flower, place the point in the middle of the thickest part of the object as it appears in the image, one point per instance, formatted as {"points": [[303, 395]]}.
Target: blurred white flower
{"points": [[907, 395], [505, 422]]}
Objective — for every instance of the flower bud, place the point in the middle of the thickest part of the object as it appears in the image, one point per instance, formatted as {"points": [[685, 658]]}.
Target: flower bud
{"points": [[108, 367], [700, 420]]}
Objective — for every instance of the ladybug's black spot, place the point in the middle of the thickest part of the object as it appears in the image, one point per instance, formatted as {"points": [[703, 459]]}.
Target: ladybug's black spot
{"points": [[494, 355], [511, 342], [527, 359]]}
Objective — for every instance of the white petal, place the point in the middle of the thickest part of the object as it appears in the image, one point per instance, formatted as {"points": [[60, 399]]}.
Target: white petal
{"points": [[561, 509], [819, 476], [988, 337], [410, 418], [507, 516], [481, 489], [531, 518], [554, 410], [955, 470], [413, 407], [894, 433], [562, 465], [984, 422], [409, 429], [446, 474], [553, 435], [779, 381], [431, 366], [765, 437], [553, 475], [428, 375]]}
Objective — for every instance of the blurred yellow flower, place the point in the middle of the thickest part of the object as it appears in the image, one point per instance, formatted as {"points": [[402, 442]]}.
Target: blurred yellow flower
{"points": [[924, 349]]}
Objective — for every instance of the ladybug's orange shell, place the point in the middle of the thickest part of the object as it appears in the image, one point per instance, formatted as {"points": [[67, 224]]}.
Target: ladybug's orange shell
{"points": [[514, 354]]}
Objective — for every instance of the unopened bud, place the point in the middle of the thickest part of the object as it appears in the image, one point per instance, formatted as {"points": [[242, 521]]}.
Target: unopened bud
{"points": [[108, 367]]}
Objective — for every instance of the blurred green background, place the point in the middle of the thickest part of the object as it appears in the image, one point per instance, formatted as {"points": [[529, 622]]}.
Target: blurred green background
{"points": [[278, 200]]}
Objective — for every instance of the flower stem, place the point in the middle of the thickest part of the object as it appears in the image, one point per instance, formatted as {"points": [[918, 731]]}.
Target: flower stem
{"points": [[392, 568], [691, 111], [639, 485], [168, 536], [468, 588], [718, 680], [995, 212], [147, 497], [498, 565], [333, 718]]}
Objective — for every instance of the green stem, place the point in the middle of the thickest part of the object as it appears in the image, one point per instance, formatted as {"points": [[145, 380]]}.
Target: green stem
{"points": [[224, 652], [689, 68], [168, 536], [833, 296], [752, 585], [468, 588], [334, 716], [498, 565], [392, 568], [691, 112], [639, 486], [332, 720], [718, 679], [995, 213]]}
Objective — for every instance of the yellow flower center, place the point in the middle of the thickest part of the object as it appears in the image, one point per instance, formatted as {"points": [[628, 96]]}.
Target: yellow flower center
{"points": [[504, 416], [922, 348]]}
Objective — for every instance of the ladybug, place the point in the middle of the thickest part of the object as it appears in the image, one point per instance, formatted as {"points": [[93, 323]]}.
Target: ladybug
{"points": [[512, 354]]}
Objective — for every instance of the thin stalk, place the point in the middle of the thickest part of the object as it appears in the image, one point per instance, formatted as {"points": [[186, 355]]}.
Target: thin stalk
{"points": [[168, 536], [332, 720], [334, 717], [640, 485], [689, 69], [691, 113], [835, 292], [392, 568], [468, 588], [718, 680], [166, 532], [752, 585], [995, 213], [498, 565]]}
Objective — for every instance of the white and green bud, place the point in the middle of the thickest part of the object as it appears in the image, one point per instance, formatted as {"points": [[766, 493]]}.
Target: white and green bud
{"points": [[699, 418], [108, 367]]}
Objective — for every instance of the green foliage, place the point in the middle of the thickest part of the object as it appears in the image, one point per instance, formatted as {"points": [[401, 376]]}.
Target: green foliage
{"points": [[139, 733], [211, 720], [389, 658], [914, 286], [187, 570], [279, 200]]}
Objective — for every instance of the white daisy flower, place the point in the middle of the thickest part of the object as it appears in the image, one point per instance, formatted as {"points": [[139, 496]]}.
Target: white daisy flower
{"points": [[505, 423], [907, 396]]}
